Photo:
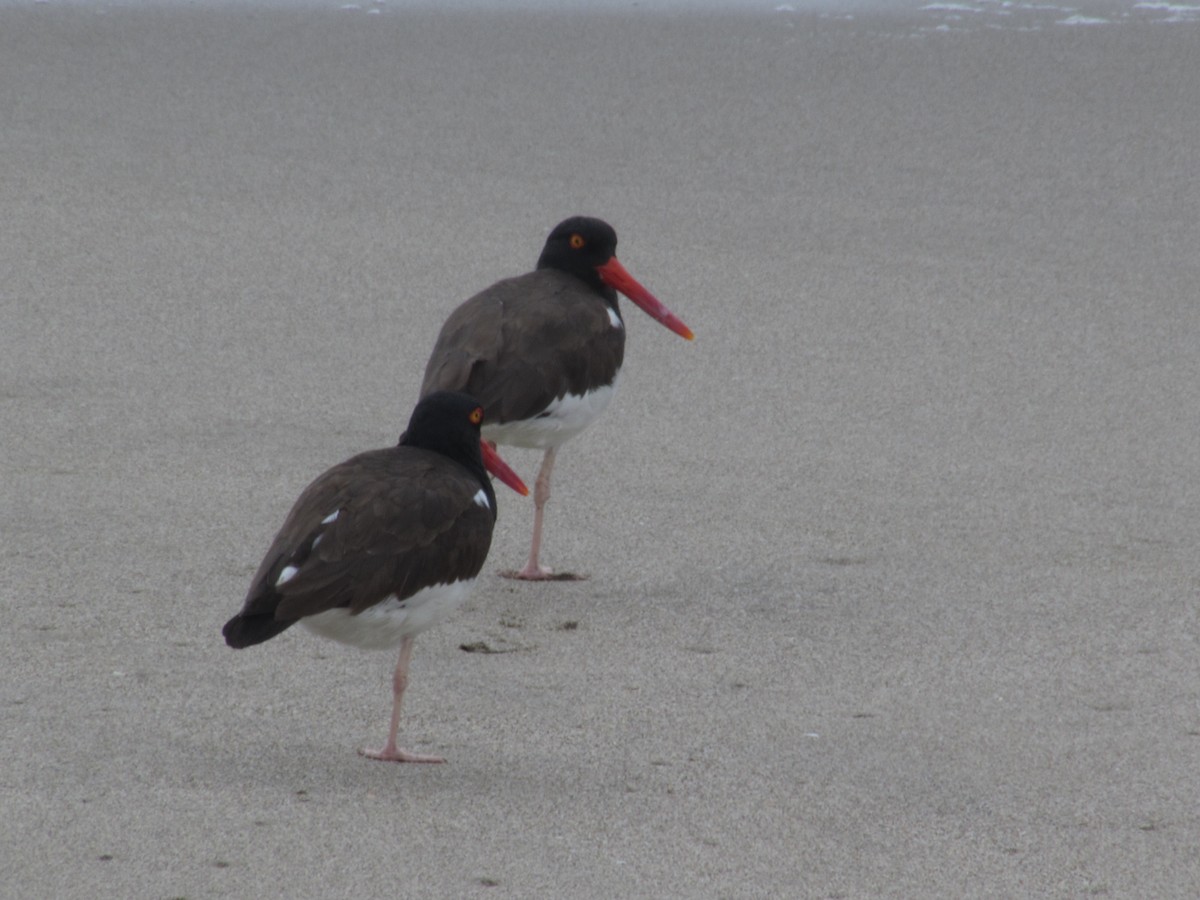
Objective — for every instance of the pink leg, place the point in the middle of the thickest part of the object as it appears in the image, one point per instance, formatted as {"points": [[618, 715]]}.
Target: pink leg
{"points": [[390, 751], [541, 494]]}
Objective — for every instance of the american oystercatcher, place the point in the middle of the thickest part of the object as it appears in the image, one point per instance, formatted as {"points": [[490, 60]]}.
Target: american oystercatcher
{"points": [[542, 351], [384, 545]]}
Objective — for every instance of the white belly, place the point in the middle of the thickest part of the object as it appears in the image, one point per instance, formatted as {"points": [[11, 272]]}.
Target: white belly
{"points": [[559, 422], [384, 625]]}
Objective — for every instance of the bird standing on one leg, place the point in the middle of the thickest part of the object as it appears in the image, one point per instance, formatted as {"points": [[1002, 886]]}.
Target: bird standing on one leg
{"points": [[384, 545], [542, 351]]}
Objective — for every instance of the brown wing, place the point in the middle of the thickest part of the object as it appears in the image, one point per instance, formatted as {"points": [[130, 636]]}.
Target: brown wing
{"points": [[525, 342], [406, 519]]}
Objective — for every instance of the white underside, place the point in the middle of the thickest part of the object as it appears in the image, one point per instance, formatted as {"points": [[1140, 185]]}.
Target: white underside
{"points": [[384, 625], [559, 422]]}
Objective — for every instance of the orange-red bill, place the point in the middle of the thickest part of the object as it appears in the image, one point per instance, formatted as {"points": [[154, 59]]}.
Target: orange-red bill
{"points": [[498, 467], [615, 276]]}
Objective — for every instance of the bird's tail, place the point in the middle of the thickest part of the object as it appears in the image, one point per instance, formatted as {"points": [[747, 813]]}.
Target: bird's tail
{"points": [[247, 630]]}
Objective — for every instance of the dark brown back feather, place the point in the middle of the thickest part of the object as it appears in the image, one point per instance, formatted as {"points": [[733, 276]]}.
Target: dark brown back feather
{"points": [[526, 341], [407, 520]]}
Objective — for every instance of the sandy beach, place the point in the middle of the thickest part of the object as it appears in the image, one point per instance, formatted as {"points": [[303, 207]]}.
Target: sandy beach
{"points": [[892, 571]]}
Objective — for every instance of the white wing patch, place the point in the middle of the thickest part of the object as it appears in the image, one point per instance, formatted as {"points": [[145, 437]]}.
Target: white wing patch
{"points": [[481, 499], [614, 318], [331, 518], [288, 573]]}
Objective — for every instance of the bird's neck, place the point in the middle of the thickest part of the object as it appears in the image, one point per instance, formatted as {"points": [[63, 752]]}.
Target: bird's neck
{"points": [[472, 462], [586, 274]]}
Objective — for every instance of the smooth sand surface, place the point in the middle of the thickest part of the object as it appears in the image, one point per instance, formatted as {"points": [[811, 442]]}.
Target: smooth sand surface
{"points": [[893, 570]]}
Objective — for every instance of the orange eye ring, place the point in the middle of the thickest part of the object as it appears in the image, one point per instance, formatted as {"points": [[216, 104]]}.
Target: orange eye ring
{"points": [[576, 241], [476, 415]]}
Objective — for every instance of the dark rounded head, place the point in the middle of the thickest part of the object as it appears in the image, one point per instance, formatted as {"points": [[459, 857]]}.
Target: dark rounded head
{"points": [[447, 422], [578, 246], [587, 249]]}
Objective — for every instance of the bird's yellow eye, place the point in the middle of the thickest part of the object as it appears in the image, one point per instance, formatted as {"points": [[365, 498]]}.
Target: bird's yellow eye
{"points": [[577, 242], [476, 415]]}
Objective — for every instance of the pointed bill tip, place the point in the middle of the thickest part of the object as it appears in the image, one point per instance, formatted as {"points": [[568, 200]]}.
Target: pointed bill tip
{"points": [[683, 331]]}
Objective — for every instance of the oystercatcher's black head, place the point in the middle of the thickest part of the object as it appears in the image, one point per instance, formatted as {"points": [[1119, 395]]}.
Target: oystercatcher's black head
{"points": [[587, 249], [579, 246], [447, 422]]}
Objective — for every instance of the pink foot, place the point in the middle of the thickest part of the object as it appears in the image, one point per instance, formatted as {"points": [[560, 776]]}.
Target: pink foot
{"points": [[398, 754], [531, 572], [541, 573]]}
